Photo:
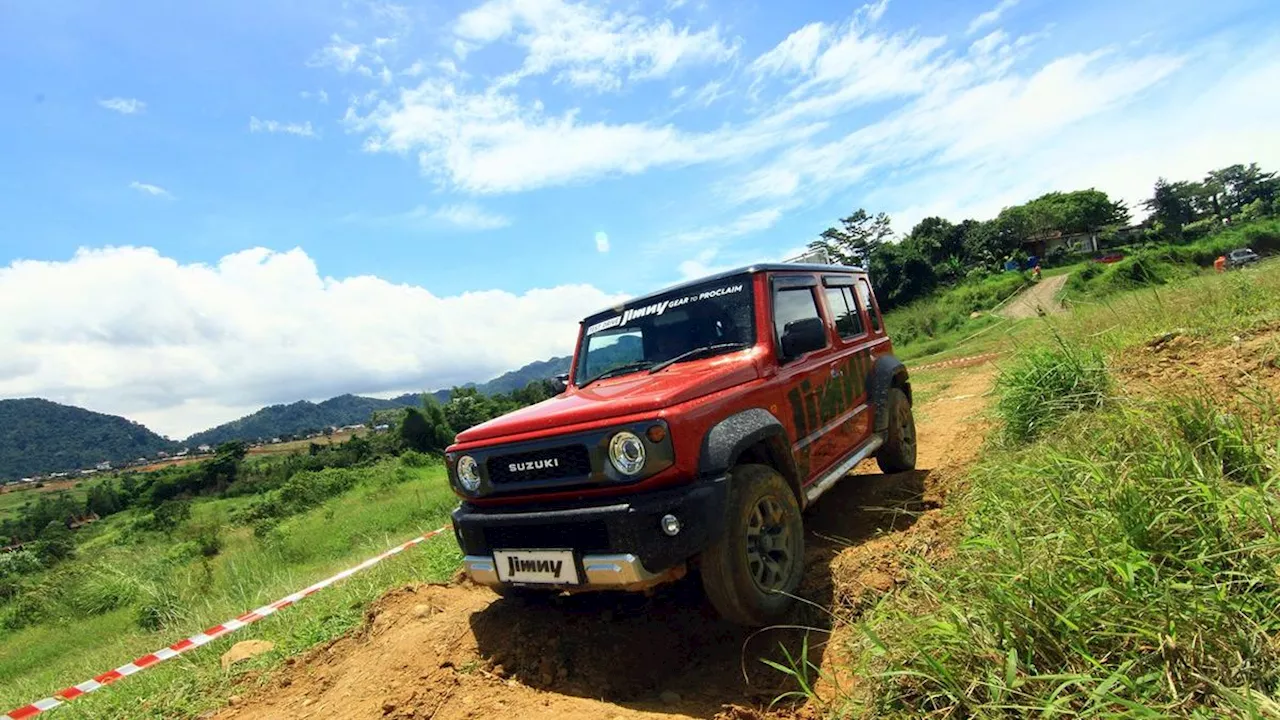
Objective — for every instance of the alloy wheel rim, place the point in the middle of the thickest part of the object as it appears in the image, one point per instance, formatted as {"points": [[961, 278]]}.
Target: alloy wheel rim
{"points": [[769, 545]]}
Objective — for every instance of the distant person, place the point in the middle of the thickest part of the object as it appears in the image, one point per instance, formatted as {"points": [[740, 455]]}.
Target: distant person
{"points": [[1035, 272], [1220, 264]]}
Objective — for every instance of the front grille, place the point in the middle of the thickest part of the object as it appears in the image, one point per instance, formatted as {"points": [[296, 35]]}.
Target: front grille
{"points": [[584, 537], [569, 461]]}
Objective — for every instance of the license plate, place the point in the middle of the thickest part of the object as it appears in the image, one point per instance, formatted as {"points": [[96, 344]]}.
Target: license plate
{"points": [[543, 567]]}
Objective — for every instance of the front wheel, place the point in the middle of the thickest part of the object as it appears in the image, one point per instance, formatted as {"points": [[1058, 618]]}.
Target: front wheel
{"points": [[750, 572], [898, 453]]}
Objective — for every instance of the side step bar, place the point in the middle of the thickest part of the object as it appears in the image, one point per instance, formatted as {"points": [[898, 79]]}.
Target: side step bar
{"points": [[832, 476]]}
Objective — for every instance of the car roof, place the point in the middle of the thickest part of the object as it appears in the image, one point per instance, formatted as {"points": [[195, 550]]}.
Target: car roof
{"points": [[744, 270]]}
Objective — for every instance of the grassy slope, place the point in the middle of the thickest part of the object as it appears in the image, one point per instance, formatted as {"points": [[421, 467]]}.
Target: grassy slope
{"points": [[1119, 563], [249, 572]]}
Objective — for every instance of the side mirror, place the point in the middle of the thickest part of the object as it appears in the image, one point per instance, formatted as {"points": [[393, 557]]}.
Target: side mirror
{"points": [[802, 336], [560, 382]]}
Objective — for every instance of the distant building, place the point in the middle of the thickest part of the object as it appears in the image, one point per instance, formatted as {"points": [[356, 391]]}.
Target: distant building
{"points": [[57, 475], [88, 471], [275, 441], [181, 453], [381, 428], [104, 465], [204, 449]]}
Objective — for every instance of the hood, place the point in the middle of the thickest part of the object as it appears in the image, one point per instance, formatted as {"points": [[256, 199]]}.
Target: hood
{"points": [[631, 394]]}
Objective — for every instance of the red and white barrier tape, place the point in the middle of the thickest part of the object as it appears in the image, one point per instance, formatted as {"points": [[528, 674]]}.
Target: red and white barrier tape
{"points": [[203, 638], [959, 361]]}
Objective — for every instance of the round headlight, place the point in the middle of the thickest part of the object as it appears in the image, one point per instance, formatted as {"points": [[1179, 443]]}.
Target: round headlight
{"points": [[626, 452], [468, 473]]}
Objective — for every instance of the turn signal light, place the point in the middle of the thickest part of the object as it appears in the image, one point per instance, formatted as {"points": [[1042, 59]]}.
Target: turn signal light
{"points": [[656, 433]]}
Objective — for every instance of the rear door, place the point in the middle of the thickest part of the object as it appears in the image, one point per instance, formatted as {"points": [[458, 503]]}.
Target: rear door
{"points": [[853, 340], [805, 379]]}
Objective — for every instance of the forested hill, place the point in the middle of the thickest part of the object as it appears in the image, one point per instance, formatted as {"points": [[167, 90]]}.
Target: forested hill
{"points": [[303, 416], [38, 436], [299, 418]]}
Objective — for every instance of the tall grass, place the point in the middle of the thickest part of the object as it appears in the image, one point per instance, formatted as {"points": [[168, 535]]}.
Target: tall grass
{"points": [[1045, 384], [1121, 550], [1120, 570]]}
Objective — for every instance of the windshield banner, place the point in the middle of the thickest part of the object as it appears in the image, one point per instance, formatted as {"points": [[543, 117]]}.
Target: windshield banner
{"points": [[660, 307]]}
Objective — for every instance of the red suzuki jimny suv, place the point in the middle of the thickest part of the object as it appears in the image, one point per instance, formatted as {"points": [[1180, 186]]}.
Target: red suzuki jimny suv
{"points": [[696, 425]]}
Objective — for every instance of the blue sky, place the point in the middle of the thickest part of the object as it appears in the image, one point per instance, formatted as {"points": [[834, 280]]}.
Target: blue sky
{"points": [[251, 202]]}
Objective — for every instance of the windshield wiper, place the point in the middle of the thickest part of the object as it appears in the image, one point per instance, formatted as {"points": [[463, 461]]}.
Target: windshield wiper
{"points": [[620, 370], [698, 351]]}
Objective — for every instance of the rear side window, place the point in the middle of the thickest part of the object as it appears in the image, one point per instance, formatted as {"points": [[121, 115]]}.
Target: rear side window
{"points": [[844, 310], [868, 302], [792, 304]]}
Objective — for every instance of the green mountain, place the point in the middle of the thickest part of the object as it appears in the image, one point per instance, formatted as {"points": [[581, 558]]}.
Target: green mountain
{"points": [[303, 416], [299, 417], [38, 436]]}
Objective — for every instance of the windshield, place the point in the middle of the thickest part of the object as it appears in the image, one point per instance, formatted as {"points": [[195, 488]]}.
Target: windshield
{"points": [[644, 334]]}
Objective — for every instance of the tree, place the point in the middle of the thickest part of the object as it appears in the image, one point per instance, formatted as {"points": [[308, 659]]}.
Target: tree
{"points": [[1171, 205], [857, 237], [56, 543], [416, 432], [468, 407], [440, 429], [103, 500]]}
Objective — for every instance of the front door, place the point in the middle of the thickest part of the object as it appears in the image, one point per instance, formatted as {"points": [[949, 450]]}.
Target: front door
{"points": [[805, 379]]}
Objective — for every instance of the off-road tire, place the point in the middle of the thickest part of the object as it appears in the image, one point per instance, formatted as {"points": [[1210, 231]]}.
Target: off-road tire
{"points": [[898, 454], [762, 513]]}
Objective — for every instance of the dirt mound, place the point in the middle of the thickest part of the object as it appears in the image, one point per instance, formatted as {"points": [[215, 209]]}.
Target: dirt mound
{"points": [[1180, 364], [457, 651]]}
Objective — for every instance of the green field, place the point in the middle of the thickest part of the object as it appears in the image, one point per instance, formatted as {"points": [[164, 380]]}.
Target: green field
{"points": [[131, 591]]}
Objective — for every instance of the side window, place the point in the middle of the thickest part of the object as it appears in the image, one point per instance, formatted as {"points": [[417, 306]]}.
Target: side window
{"points": [[844, 311], [791, 305], [864, 294]]}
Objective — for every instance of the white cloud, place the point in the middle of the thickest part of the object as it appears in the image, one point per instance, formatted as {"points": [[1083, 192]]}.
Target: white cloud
{"points": [[342, 55], [489, 142], [469, 216], [602, 242], [960, 121], [588, 45], [275, 126], [321, 96], [991, 16], [466, 216], [149, 189], [744, 225], [185, 346], [124, 106]]}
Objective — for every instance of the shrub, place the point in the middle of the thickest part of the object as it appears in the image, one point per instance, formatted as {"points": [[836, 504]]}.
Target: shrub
{"points": [[1044, 384], [28, 609], [161, 608], [102, 591], [415, 459]]}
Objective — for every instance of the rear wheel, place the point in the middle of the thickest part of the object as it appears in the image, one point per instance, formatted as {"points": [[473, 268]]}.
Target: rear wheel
{"points": [[898, 453], [751, 570]]}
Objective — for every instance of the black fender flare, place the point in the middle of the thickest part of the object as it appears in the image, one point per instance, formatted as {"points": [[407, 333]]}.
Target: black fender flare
{"points": [[725, 442], [888, 372]]}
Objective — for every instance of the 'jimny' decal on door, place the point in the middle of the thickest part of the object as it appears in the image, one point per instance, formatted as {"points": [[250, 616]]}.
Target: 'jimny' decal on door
{"points": [[812, 408]]}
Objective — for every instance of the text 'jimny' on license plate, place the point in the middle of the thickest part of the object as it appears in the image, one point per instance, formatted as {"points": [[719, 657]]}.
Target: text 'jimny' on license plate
{"points": [[551, 567]]}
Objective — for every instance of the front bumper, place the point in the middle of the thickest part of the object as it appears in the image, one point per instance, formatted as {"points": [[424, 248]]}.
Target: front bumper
{"points": [[619, 544]]}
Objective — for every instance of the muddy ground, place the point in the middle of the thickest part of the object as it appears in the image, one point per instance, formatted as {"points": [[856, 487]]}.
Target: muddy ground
{"points": [[456, 651]]}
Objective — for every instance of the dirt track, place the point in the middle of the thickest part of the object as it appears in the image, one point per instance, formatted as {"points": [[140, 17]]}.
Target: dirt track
{"points": [[1037, 298], [457, 651]]}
